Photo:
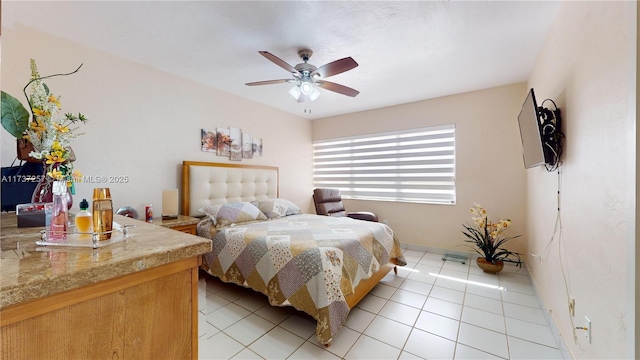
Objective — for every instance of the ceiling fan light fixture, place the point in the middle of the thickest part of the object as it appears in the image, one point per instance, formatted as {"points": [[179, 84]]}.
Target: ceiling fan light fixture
{"points": [[295, 92], [314, 94], [307, 88]]}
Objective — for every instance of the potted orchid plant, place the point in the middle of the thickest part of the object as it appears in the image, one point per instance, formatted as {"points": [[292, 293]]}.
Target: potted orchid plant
{"points": [[486, 237]]}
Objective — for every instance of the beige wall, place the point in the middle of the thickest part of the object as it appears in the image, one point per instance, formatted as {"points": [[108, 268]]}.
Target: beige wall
{"points": [[588, 67], [144, 123], [489, 166]]}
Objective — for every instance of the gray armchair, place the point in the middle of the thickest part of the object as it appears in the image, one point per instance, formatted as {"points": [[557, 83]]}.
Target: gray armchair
{"points": [[329, 202]]}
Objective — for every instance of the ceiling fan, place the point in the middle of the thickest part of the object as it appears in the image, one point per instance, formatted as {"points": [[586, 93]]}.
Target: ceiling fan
{"points": [[307, 78]]}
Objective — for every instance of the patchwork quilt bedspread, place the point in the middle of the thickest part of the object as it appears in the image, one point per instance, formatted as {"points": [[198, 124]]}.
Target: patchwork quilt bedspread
{"points": [[306, 261]]}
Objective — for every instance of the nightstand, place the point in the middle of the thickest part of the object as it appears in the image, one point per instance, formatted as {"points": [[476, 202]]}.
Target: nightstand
{"points": [[183, 223]]}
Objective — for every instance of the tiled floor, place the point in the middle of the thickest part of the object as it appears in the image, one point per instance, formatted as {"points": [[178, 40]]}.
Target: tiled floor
{"points": [[431, 310]]}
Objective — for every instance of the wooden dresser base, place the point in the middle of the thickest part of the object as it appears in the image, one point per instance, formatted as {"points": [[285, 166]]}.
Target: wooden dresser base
{"points": [[151, 314]]}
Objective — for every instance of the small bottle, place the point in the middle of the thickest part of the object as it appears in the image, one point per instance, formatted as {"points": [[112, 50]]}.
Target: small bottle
{"points": [[84, 218], [102, 213], [148, 213], [60, 215]]}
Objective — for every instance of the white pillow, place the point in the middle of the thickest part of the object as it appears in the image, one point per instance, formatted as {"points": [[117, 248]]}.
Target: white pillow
{"points": [[275, 208], [233, 213]]}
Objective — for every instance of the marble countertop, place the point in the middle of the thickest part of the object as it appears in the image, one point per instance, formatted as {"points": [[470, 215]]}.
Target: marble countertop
{"points": [[29, 271]]}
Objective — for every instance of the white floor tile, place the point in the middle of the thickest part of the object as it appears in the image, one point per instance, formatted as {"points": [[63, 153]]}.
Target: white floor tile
{"points": [[464, 352], [213, 302], [447, 294], [388, 331], [444, 308], [404, 317], [517, 283], [412, 259], [300, 324], [275, 314], [495, 294], [399, 312], [249, 329], [451, 284], [424, 274], [408, 356], [227, 316], [454, 274], [409, 298], [512, 268], [309, 351], [383, 291], [416, 286], [214, 285], [205, 329], [486, 279], [524, 313], [278, 343], [372, 303], [247, 354], [430, 261], [455, 266], [367, 348], [522, 288], [394, 280], [483, 303], [429, 346], [484, 340], [202, 300], [219, 346], [520, 299], [521, 349], [531, 332], [438, 325], [359, 319], [342, 342], [483, 319]]}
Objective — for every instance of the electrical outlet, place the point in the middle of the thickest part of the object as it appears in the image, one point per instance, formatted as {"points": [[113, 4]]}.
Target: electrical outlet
{"points": [[572, 306], [587, 325]]}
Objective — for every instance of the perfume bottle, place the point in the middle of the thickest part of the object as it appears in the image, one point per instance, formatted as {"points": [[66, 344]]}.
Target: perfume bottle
{"points": [[102, 213], [83, 218], [60, 215]]}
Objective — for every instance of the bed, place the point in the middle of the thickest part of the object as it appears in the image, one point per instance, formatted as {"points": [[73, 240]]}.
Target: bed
{"points": [[320, 265]]}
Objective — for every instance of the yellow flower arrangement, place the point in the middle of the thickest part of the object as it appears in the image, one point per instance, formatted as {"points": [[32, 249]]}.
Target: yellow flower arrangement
{"points": [[51, 137]]}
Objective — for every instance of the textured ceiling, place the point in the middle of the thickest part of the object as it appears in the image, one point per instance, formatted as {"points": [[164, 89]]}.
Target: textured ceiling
{"points": [[407, 51]]}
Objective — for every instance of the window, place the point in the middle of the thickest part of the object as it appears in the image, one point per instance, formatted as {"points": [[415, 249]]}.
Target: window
{"points": [[409, 166]]}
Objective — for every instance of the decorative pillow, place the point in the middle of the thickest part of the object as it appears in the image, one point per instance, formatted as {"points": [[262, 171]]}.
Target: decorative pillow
{"points": [[233, 213], [275, 208]]}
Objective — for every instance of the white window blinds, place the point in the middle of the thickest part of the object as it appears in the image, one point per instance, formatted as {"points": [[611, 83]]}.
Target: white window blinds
{"points": [[410, 166]]}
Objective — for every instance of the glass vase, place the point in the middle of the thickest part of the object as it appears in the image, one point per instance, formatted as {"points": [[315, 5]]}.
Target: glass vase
{"points": [[44, 190]]}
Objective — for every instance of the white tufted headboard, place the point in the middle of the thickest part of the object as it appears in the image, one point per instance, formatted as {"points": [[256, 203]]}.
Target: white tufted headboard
{"points": [[205, 183]]}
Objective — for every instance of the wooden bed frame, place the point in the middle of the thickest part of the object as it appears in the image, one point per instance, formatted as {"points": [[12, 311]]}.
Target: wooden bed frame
{"points": [[230, 185]]}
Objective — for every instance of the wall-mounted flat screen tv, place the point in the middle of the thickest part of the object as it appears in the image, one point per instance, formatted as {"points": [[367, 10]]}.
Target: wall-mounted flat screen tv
{"points": [[530, 132]]}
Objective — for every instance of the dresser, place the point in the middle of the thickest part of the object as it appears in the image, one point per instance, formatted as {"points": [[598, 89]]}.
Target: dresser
{"points": [[135, 299]]}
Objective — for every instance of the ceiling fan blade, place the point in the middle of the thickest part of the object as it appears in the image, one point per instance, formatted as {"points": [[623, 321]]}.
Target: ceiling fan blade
{"points": [[276, 60], [341, 89], [268, 82], [335, 67]]}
